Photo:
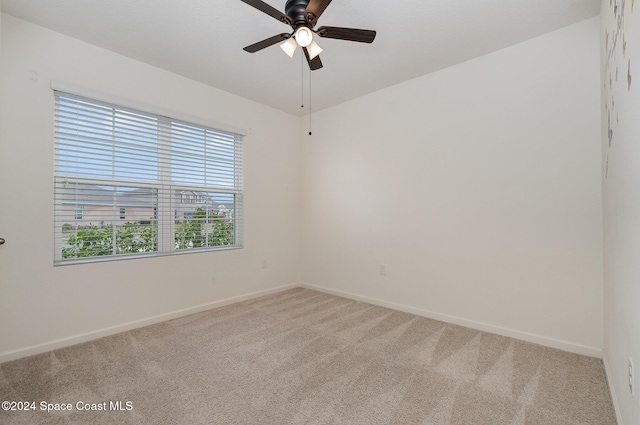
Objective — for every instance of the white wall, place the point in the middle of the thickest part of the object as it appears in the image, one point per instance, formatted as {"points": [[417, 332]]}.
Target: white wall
{"points": [[478, 186], [42, 306], [621, 192]]}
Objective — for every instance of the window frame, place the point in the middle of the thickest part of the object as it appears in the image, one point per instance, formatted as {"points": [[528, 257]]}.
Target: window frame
{"points": [[78, 213], [165, 213]]}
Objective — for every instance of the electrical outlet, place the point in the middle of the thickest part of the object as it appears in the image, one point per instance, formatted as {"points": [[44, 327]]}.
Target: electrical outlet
{"points": [[383, 269], [631, 377]]}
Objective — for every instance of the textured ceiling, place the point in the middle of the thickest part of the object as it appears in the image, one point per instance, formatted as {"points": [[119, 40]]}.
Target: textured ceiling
{"points": [[203, 39]]}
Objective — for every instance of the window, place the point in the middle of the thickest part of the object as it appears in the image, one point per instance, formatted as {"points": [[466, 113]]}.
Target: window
{"points": [[131, 183], [78, 212]]}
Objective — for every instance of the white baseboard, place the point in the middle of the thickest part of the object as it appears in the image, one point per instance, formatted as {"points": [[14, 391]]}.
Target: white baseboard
{"points": [[612, 389], [77, 339], [524, 336], [89, 336]]}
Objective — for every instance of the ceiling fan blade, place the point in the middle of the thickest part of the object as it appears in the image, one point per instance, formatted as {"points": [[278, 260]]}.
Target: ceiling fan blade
{"points": [[314, 63], [269, 10], [351, 34], [266, 43], [316, 7]]}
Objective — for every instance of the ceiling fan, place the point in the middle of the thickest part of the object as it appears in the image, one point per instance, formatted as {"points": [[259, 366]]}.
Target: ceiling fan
{"points": [[302, 16]]}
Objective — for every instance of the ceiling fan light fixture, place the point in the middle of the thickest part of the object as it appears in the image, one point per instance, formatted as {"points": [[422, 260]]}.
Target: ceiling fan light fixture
{"points": [[289, 46], [313, 49], [304, 36]]}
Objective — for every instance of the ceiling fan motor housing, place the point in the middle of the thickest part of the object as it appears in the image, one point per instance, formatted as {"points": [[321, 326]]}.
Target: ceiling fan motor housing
{"points": [[296, 10]]}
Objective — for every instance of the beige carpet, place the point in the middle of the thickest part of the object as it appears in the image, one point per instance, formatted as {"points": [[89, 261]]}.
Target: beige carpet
{"points": [[304, 357]]}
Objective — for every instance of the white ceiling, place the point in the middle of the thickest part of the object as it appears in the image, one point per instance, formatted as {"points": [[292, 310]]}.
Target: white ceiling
{"points": [[203, 39]]}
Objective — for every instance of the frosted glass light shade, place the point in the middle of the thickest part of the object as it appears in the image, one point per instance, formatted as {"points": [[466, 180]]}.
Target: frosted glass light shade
{"points": [[304, 36], [313, 49], [289, 46]]}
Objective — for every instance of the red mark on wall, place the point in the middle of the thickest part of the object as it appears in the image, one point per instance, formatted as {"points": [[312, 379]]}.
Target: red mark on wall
{"points": [[629, 75]]}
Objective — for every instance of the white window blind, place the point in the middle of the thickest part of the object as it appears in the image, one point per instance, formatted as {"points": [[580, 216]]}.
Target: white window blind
{"points": [[132, 183]]}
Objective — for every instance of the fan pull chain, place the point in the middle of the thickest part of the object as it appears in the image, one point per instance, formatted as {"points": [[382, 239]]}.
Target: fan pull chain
{"points": [[302, 90], [301, 81], [310, 72]]}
